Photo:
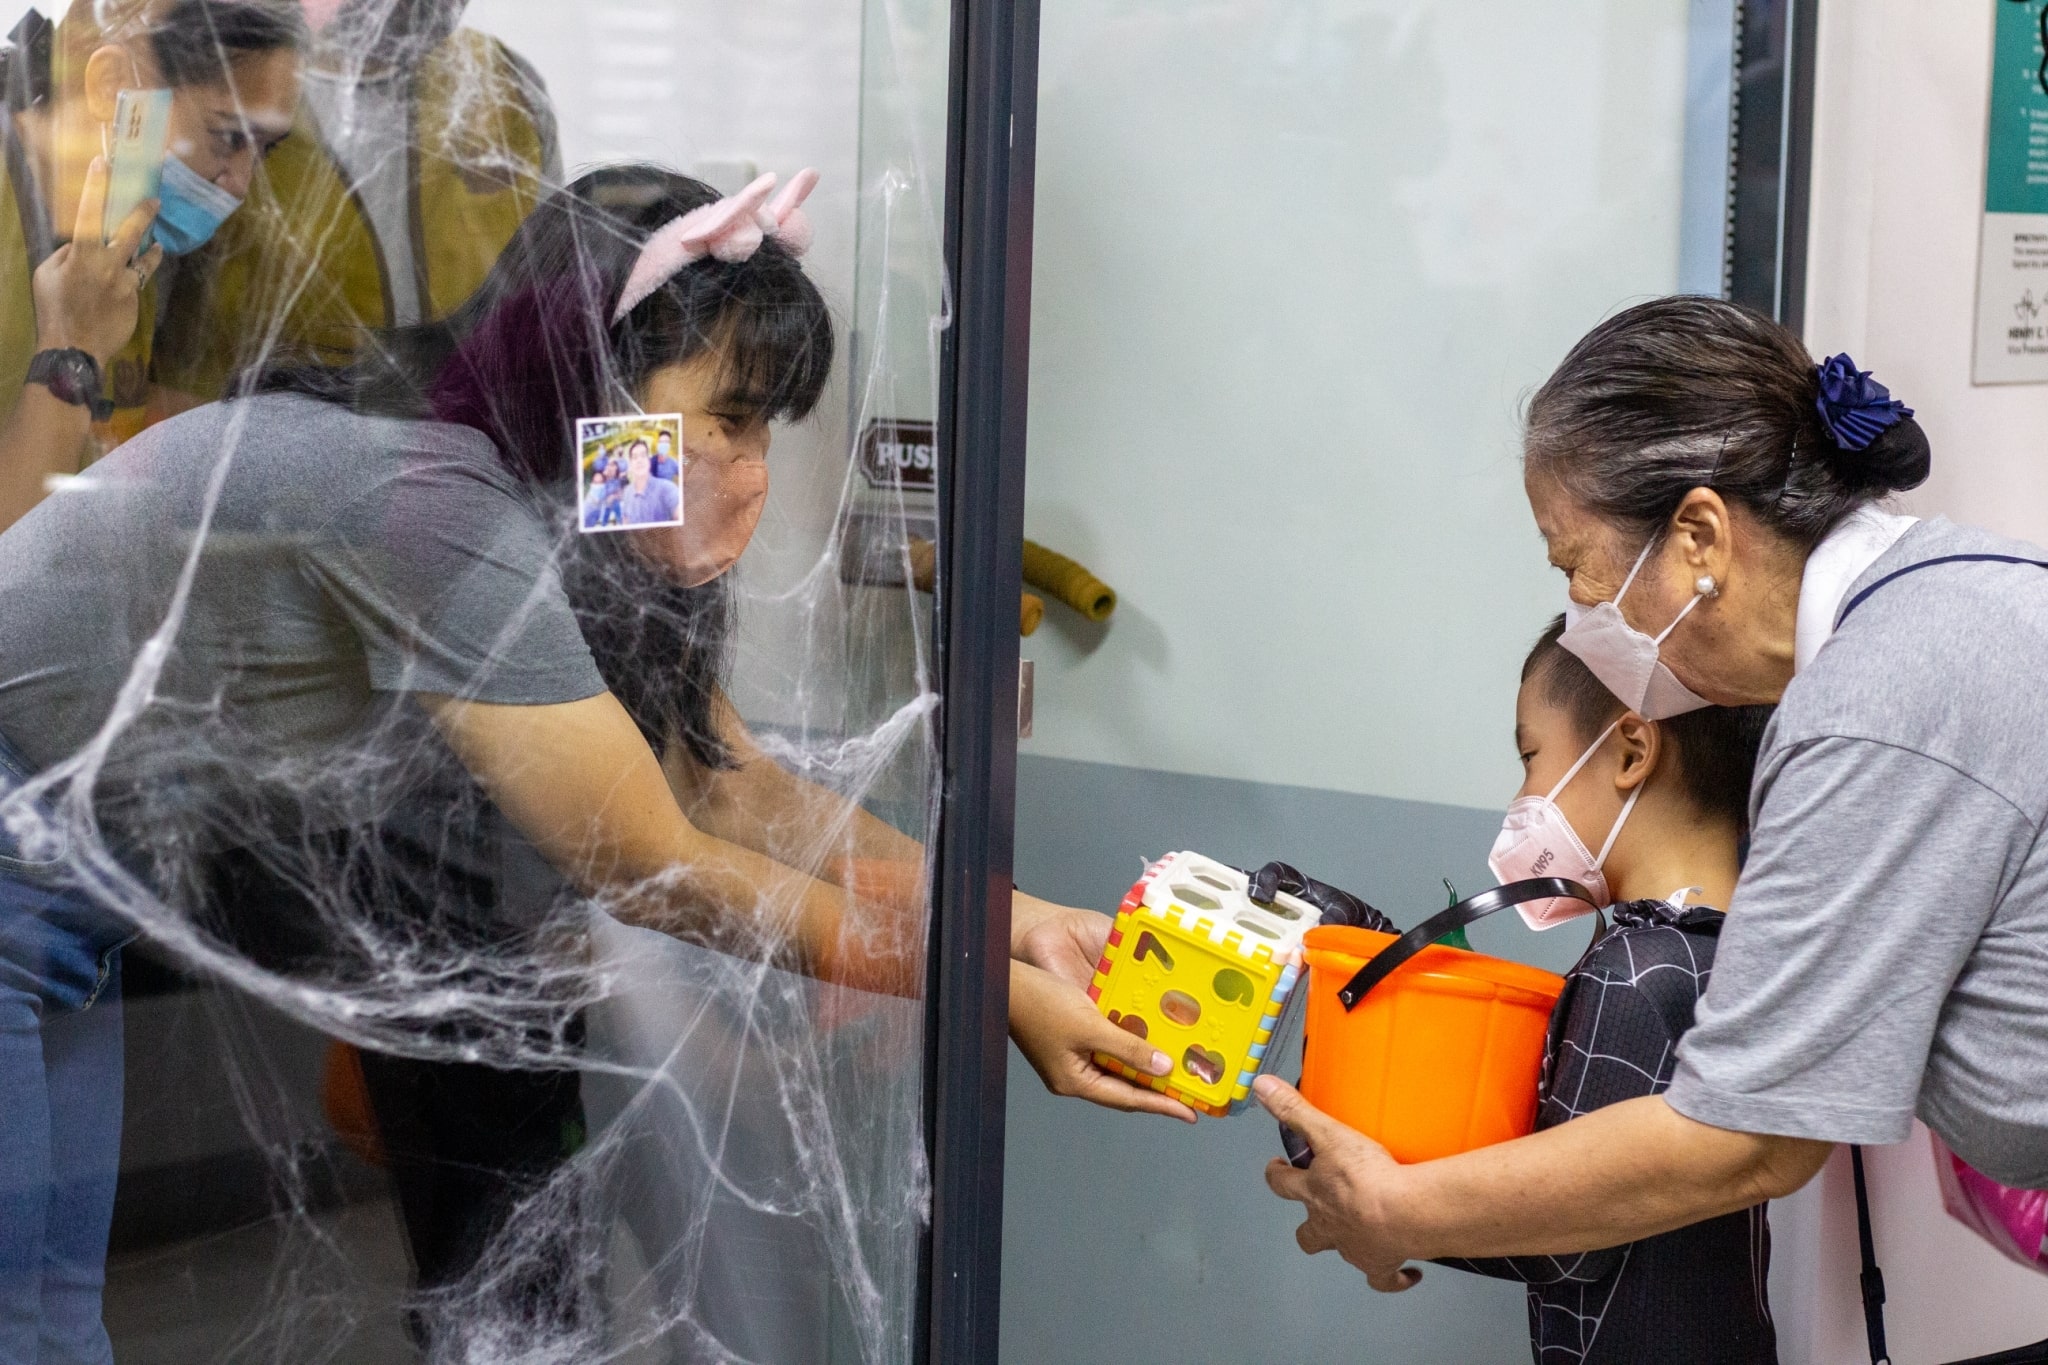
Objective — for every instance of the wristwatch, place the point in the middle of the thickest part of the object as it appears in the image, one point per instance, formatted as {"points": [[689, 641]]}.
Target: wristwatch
{"points": [[74, 377]]}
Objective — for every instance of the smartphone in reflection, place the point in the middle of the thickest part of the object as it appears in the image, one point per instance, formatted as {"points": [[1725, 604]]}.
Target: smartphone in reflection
{"points": [[142, 128]]}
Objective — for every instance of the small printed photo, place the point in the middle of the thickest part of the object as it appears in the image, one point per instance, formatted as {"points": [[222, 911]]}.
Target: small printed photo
{"points": [[629, 471]]}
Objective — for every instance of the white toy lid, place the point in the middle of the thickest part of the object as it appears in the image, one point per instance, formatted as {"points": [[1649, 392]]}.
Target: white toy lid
{"points": [[1221, 894]]}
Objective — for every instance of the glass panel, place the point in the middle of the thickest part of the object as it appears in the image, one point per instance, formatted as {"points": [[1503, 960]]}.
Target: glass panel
{"points": [[523, 903], [1297, 267]]}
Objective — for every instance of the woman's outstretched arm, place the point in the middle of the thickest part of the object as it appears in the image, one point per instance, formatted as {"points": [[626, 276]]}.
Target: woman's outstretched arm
{"points": [[761, 805], [1618, 1174], [578, 780]]}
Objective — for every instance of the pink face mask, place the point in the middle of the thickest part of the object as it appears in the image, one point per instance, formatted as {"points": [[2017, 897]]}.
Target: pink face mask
{"points": [[1537, 841], [721, 507], [1625, 659], [722, 503]]}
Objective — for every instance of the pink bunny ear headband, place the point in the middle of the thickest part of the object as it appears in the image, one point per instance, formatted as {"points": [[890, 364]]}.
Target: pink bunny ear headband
{"points": [[731, 230]]}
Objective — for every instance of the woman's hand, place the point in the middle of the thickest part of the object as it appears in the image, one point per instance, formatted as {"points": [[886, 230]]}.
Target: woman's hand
{"points": [[1058, 938], [88, 293], [1053, 950], [1341, 1188], [1059, 1031]]}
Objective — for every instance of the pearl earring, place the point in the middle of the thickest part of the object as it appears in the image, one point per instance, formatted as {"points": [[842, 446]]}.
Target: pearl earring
{"points": [[1706, 587]]}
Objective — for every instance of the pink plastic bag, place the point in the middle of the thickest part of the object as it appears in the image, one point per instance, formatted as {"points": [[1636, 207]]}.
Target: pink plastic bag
{"points": [[2011, 1220]]}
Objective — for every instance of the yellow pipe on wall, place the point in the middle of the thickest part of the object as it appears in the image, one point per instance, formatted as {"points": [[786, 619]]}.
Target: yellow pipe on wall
{"points": [[1057, 576]]}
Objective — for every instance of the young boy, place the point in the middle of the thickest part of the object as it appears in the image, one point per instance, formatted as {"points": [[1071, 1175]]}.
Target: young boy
{"points": [[1696, 1294]]}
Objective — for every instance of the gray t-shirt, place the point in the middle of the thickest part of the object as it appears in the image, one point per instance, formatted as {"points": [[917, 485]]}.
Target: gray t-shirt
{"points": [[1886, 953], [349, 561]]}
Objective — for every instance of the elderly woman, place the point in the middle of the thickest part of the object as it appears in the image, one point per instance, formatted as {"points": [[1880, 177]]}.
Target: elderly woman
{"points": [[1711, 496]]}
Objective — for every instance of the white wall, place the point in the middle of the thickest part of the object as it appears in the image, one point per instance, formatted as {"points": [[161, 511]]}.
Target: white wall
{"points": [[1297, 265], [1898, 194], [1898, 189]]}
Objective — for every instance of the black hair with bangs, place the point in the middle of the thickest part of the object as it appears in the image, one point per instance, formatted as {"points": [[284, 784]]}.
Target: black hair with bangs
{"points": [[537, 347]]}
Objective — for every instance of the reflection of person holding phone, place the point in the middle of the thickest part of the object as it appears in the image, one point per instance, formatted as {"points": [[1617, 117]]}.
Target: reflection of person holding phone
{"points": [[77, 311], [647, 501]]}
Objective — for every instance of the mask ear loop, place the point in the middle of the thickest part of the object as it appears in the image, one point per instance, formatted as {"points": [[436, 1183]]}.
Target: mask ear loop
{"points": [[1600, 925], [1614, 831], [1584, 759], [1600, 859], [1633, 571], [1683, 611]]}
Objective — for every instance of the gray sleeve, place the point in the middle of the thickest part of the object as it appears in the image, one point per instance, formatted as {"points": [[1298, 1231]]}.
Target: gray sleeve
{"points": [[1872, 871], [450, 583]]}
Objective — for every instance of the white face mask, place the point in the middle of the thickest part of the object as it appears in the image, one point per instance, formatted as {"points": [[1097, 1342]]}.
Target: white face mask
{"points": [[1625, 659], [1537, 841]]}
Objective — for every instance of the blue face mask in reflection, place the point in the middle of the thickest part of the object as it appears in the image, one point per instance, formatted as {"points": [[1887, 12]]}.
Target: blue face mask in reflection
{"points": [[192, 209]]}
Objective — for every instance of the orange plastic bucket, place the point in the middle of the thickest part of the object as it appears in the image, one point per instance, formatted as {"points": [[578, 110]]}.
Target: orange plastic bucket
{"points": [[1439, 1058]]}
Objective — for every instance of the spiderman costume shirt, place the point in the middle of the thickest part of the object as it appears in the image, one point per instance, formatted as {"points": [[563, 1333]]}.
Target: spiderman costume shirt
{"points": [[1693, 1296]]}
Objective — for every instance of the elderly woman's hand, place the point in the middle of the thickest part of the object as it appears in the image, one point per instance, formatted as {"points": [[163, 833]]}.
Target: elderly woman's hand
{"points": [[1343, 1189]]}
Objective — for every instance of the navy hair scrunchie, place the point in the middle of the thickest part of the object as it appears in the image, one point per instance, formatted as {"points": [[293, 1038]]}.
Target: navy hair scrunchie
{"points": [[1855, 408]]}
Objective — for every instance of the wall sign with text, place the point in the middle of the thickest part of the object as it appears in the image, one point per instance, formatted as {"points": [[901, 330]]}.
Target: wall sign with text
{"points": [[898, 454], [2012, 264]]}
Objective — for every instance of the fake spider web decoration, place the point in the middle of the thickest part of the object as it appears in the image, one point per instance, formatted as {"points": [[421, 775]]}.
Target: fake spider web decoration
{"points": [[749, 1182]]}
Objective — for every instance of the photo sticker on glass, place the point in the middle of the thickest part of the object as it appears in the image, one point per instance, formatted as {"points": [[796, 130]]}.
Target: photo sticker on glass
{"points": [[629, 472]]}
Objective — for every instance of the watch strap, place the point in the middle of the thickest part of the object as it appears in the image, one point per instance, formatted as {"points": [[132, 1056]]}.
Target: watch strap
{"points": [[74, 377]]}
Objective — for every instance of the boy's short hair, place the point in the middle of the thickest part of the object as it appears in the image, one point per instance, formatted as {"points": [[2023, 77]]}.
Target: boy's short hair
{"points": [[1715, 747]]}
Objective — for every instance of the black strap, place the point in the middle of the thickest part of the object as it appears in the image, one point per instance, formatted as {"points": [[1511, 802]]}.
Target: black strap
{"points": [[2036, 1354], [1396, 954], [1873, 1285], [1872, 1279], [1860, 597], [1337, 905]]}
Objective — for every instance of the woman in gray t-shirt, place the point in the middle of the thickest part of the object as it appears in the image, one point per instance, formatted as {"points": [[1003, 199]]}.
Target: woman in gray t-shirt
{"points": [[1711, 497], [331, 657]]}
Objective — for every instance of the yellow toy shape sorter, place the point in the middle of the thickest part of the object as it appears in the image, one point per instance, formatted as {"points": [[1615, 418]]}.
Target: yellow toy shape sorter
{"points": [[1203, 972]]}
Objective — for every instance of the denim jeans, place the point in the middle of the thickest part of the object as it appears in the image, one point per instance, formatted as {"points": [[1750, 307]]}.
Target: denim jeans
{"points": [[60, 1106]]}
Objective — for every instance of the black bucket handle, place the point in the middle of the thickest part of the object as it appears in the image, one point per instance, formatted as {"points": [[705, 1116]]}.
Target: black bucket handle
{"points": [[1398, 953]]}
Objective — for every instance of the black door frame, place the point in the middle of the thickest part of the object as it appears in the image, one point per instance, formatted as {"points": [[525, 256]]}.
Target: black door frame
{"points": [[1771, 156], [983, 373]]}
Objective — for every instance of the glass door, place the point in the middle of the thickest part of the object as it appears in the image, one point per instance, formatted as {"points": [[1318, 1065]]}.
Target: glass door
{"points": [[1297, 267], [403, 661]]}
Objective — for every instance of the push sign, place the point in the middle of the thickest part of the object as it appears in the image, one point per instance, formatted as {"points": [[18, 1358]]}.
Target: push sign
{"points": [[897, 454]]}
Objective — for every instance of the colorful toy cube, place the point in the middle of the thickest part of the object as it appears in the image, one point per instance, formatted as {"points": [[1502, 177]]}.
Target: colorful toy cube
{"points": [[1203, 972]]}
